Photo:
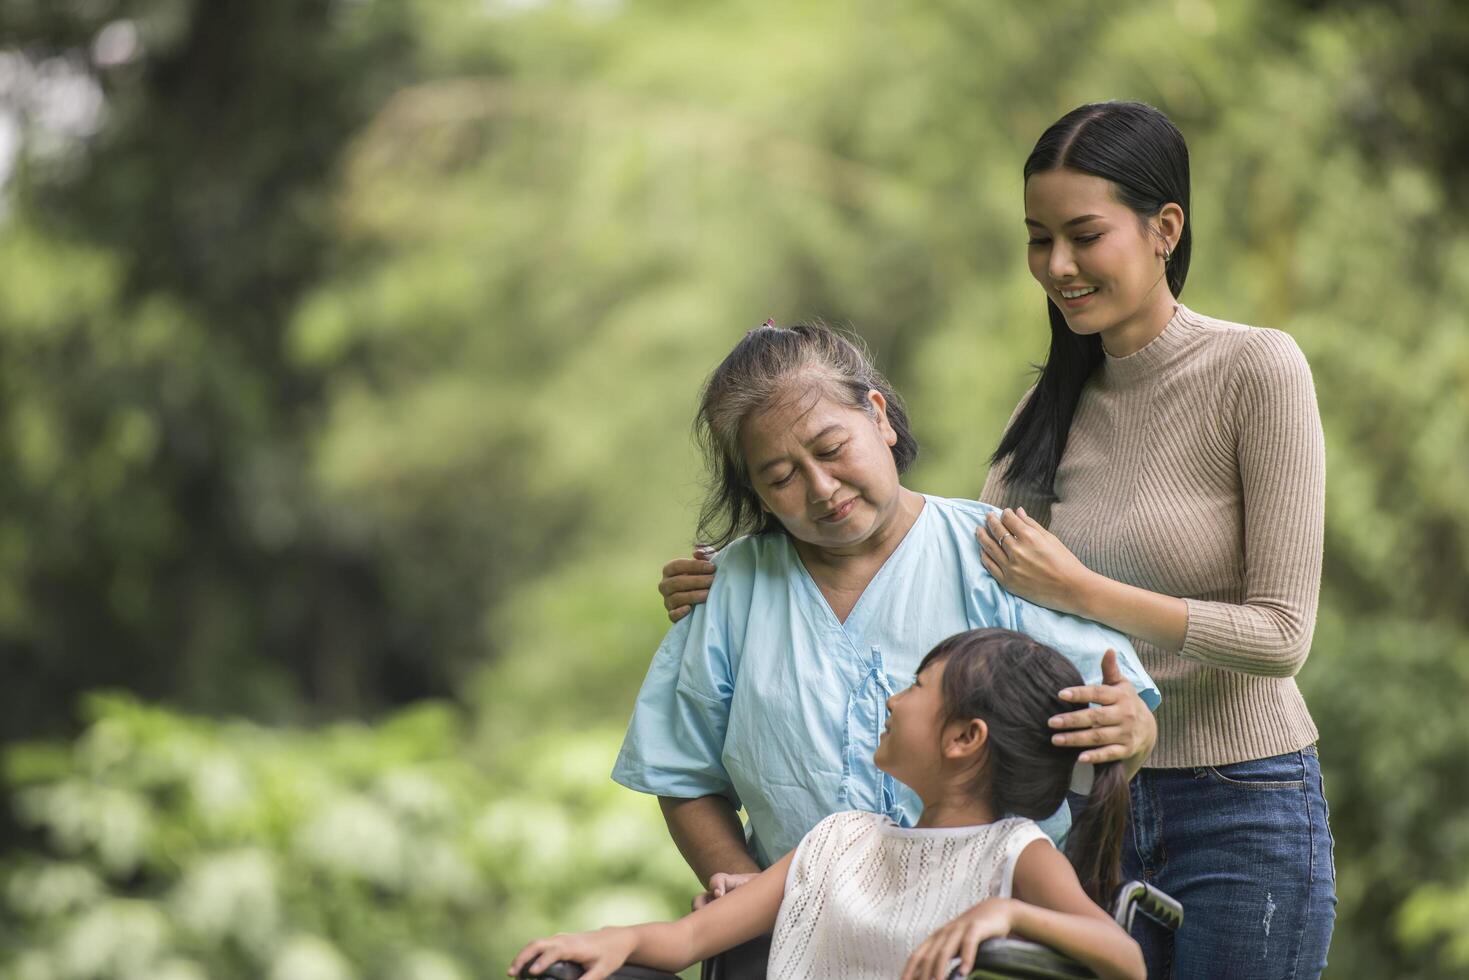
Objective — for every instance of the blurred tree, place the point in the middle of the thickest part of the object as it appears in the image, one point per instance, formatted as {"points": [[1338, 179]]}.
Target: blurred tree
{"points": [[162, 529], [1409, 103]]}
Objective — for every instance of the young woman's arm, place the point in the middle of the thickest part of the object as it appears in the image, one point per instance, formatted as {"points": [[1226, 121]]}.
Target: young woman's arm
{"points": [[1050, 908], [1033, 564], [673, 946], [1280, 455]]}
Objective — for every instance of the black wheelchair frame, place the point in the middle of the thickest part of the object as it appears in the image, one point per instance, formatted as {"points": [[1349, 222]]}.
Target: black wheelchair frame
{"points": [[999, 959]]}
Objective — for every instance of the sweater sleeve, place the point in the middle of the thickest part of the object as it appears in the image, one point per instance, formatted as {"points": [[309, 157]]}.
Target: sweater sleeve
{"points": [[1282, 470], [999, 493]]}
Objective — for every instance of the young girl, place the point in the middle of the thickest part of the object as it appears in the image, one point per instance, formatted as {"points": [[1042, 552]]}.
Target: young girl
{"points": [[861, 897]]}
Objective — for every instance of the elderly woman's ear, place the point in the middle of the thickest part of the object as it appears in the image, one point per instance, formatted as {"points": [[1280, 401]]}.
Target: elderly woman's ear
{"points": [[880, 408]]}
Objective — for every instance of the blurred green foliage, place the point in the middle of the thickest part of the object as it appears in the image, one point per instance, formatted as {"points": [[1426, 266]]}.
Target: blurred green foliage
{"points": [[176, 847], [347, 356]]}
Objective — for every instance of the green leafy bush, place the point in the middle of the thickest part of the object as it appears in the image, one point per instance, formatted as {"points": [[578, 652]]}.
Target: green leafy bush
{"points": [[174, 847]]}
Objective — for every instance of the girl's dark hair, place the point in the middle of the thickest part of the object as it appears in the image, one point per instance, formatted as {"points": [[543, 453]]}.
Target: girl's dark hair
{"points": [[1011, 682], [769, 366], [1144, 155]]}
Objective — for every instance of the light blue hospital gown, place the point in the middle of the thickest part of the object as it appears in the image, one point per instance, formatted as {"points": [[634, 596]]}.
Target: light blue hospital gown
{"points": [[762, 696]]}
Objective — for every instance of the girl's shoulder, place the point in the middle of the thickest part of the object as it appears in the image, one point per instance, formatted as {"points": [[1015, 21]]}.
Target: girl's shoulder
{"points": [[848, 823], [995, 834], [1020, 831], [834, 835]]}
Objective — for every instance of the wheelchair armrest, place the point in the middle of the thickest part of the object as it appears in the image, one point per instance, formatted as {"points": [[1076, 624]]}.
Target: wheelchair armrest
{"points": [[998, 958], [1157, 905], [567, 970], [1021, 959]]}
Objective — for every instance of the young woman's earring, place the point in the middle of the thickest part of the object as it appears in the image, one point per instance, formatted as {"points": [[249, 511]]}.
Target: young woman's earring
{"points": [[1167, 254]]}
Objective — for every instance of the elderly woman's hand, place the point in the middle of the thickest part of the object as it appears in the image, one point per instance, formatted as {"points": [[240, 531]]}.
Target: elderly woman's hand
{"points": [[686, 583], [1118, 723], [1031, 562], [721, 884]]}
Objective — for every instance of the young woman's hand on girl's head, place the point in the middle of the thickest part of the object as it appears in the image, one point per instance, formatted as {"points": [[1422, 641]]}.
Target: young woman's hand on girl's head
{"points": [[1117, 727], [960, 939], [598, 952], [686, 583]]}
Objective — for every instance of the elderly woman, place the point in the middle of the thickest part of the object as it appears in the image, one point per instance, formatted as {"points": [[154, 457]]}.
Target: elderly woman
{"points": [[834, 580]]}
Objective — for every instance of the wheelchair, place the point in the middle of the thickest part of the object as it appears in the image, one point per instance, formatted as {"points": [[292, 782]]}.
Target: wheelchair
{"points": [[998, 959]]}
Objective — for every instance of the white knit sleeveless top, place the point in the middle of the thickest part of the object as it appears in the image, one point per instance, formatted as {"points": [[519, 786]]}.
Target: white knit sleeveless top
{"points": [[862, 892]]}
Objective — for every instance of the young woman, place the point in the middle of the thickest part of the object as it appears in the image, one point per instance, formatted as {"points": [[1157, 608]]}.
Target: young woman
{"points": [[864, 899], [1165, 476]]}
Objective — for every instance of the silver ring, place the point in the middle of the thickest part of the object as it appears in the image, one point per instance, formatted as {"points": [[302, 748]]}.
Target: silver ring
{"points": [[1007, 534]]}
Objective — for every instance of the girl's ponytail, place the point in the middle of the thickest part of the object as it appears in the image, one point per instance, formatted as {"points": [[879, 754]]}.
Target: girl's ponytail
{"points": [[1095, 842]]}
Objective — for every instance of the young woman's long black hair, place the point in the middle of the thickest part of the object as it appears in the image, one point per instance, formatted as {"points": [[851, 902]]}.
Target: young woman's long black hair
{"points": [[1011, 682], [1143, 154]]}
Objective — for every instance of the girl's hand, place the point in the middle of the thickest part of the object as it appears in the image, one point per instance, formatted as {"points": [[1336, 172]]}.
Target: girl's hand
{"points": [[1031, 562], [960, 938], [1119, 724], [720, 885], [686, 583], [599, 952]]}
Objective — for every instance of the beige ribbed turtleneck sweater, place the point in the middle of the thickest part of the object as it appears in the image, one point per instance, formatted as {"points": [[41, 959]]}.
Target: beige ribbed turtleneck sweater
{"points": [[1195, 467]]}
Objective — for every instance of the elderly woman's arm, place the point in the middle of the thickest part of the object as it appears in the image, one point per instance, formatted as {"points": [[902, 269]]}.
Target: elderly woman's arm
{"points": [[709, 836], [675, 744]]}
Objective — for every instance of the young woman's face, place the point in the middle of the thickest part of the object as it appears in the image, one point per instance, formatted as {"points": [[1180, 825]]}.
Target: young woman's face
{"points": [[1096, 259], [825, 470], [911, 743]]}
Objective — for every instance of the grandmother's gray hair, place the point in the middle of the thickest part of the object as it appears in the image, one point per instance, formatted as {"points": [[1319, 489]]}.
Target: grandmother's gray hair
{"points": [[769, 366]]}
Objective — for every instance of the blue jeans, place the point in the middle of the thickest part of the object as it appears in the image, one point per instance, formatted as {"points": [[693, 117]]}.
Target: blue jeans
{"points": [[1246, 849]]}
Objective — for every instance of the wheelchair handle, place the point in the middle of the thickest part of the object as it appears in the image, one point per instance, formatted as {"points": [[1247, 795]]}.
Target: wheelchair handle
{"points": [[1138, 896]]}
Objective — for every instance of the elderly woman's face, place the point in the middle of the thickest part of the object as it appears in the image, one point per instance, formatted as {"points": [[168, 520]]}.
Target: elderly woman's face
{"points": [[824, 469]]}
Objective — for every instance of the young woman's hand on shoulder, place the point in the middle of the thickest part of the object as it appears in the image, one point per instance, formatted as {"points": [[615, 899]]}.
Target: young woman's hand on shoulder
{"points": [[686, 583], [1031, 562]]}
